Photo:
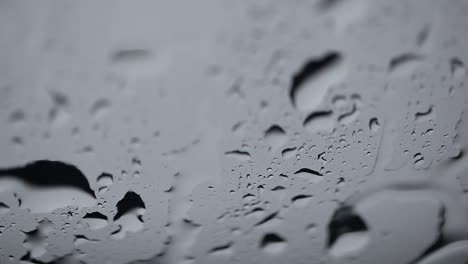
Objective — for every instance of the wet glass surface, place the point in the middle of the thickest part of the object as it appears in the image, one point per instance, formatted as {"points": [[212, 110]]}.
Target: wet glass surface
{"points": [[216, 131]]}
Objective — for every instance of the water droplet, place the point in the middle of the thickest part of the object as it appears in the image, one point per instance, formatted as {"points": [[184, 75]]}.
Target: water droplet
{"points": [[457, 67], [4, 208], [100, 107], [275, 137], [310, 83], [344, 221], [309, 174], [424, 116], [130, 211], [418, 159], [238, 154], [349, 117], [319, 121], [273, 244], [288, 153], [95, 220], [52, 189], [301, 200], [59, 113], [104, 181], [405, 64], [222, 249], [374, 124]]}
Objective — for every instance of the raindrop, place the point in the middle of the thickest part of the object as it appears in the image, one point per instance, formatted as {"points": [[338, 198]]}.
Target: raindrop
{"points": [[80, 240], [136, 162], [59, 113], [129, 202], [275, 137], [100, 107], [50, 185], [309, 84], [339, 101], [278, 188], [457, 67], [248, 198], [273, 244], [311, 229], [319, 121], [4, 208], [45, 173], [424, 116], [130, 212], [405, 64], [95, 220], [59, 99], [301, 200], [374, 124], [222, 250], [344, 221], [418, 159], [349, 117], [288, 153], [238, 154], [104, 181], [310, 174], [267, 219], [238, 128], [423, 35]]}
